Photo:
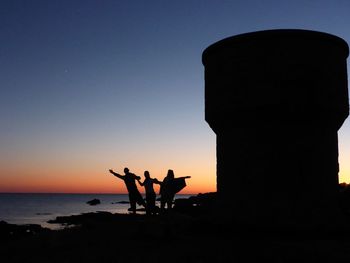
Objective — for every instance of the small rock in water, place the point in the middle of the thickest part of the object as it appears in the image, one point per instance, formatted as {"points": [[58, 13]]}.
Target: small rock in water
{"points": [[94, 202]]}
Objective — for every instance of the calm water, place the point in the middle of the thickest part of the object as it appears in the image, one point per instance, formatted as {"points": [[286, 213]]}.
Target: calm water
{"points": [[39, 208]]}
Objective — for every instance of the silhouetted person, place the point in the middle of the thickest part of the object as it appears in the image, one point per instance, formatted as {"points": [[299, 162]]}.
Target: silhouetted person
{"points": [[150, 194], [134, 194], [169, 187]]}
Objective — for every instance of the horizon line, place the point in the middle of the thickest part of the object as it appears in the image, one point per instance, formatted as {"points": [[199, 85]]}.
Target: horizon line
{"points": [[83, 193]]}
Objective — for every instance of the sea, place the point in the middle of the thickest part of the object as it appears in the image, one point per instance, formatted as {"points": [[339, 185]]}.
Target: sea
{"points": [[29, 208]]}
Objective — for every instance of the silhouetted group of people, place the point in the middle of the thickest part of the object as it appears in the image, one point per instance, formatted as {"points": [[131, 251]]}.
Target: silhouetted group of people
{"points": [[168, 188]]}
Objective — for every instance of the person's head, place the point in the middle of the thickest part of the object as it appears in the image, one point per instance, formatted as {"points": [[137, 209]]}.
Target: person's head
{"points": [[146, 174], [126, 170], [170, 174]]}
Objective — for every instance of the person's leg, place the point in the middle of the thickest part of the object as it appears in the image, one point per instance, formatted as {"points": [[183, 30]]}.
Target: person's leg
{"points": [[143, 203], [140, 199], [170, 201], [162, 203], [152, 203], [133, 206], [148, 204], [132, 203], [169, 204]]}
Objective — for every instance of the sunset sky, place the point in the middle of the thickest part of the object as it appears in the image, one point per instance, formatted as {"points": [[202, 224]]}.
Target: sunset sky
{"points": [[91, 85]]}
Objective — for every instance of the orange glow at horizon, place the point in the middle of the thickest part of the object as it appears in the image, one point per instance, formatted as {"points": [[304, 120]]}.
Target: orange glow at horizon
{"points": [[101, 181], [97, 181], [92, 176]]}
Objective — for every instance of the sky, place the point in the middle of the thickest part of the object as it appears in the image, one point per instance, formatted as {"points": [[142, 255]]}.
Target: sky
{"points": [[88, 86]]}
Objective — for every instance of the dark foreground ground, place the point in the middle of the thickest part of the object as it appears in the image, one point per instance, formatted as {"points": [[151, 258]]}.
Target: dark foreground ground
{"points": [[179, 236]]}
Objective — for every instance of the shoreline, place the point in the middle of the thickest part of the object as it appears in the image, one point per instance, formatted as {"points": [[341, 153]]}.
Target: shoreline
{"points": [[39, 208], [171, 237], [180, 235]]}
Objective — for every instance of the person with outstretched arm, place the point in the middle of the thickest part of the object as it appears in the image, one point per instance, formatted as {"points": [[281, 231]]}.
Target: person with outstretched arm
{"points": [[150, 194], [134, 194], [169, 187]]}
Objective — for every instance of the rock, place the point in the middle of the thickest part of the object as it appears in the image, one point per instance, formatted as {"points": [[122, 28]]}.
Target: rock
{"points": [[94, 202], [183, 204], [196, 205], [83, 218], [12, 231]]}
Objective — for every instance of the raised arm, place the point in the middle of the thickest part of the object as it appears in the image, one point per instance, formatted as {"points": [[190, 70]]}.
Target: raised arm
{"points": [[184, 177], [116, 174]]}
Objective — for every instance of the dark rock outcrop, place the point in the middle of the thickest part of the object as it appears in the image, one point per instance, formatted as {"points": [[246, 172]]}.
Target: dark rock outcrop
{"points": [[12, 231], [94, 202]]}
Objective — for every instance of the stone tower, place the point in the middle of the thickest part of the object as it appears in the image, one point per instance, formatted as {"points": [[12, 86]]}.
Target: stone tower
{"points": [[275, 100]]}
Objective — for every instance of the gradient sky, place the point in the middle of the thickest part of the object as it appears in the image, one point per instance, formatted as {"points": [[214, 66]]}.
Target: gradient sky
{"points": [[92, 85]]}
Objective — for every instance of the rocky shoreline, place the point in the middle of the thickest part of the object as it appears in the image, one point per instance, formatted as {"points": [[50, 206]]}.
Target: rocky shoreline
{"points": [[187, 234]]}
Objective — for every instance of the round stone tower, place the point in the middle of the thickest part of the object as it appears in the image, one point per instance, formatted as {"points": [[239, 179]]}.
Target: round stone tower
{"points": [[275, 100]]}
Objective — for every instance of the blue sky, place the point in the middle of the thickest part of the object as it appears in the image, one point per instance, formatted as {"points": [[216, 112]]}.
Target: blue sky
{"points": [[95, 84]]}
